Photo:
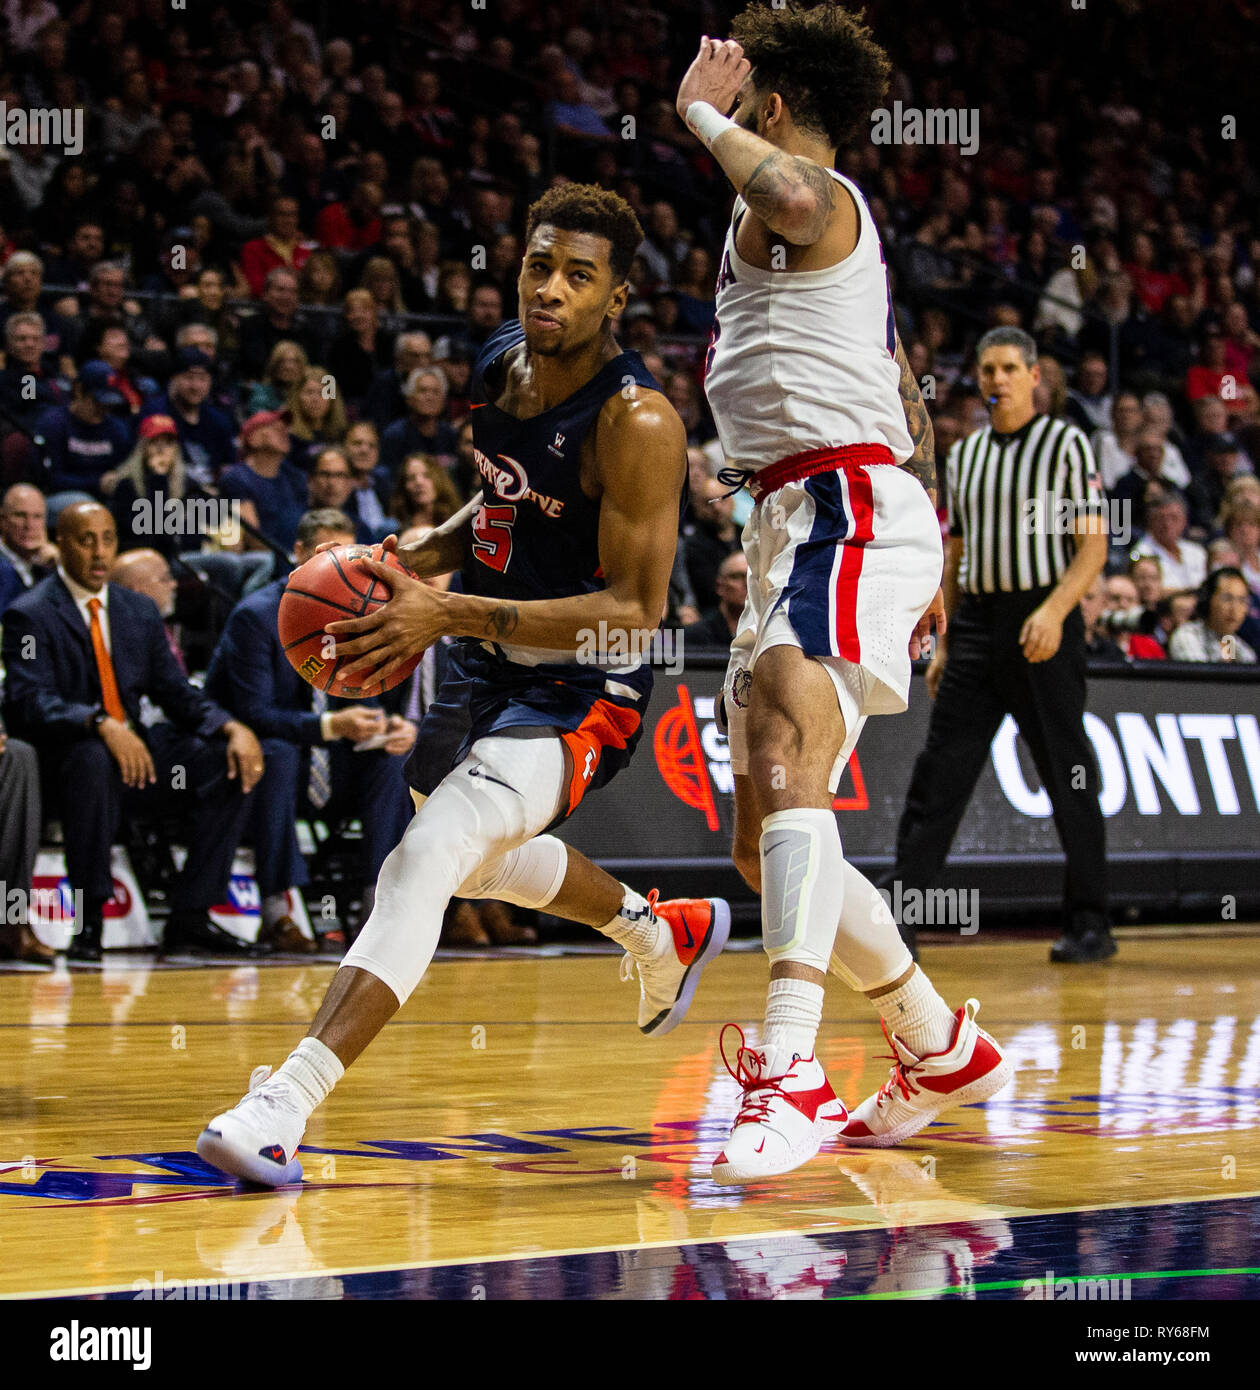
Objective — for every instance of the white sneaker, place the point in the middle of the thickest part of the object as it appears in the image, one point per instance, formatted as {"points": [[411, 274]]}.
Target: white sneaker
{"points": [[789, 1110], [972, 1068], [699, 928], [258, 1138]]}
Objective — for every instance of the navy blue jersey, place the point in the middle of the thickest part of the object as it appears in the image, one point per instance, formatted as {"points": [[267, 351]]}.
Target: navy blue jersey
{"points": [[537, 536]]}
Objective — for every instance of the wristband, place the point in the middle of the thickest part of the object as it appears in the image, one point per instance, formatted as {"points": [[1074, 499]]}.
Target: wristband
{"points": [[706, 122]]}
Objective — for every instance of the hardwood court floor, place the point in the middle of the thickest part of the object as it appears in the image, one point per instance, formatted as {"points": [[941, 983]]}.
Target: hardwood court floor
{"points": [[512, 1121]]}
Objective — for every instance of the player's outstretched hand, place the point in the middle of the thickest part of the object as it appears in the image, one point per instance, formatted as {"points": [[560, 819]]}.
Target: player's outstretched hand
{"points": [[380, 642], [715, 76]]}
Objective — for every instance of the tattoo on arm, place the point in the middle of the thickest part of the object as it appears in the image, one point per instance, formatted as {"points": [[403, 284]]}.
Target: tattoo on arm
{"points": [[502, 622], [777, 184], [922, 462]]}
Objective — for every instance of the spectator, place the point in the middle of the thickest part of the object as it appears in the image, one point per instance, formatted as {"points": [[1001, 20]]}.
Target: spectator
{"points": [[75, 691], [108, 305], [308, 740], [85, 248], [146, 572], [1099, 646], [1131, 489], [82, 440], [1129, 623], [425, 496], [384, 401], [1212, 635], [270, 489], [139, 391], [1172, 610], [353, 225], [332, 487], [27, 386], [1183, 563], [708, 537], [317, 415], [286, 368], [1090, 404], [26, 553], [22, 282], [423, 430], [717, 627], [138, 492], [319, 284], [381, 280], [1240, 522], [277, 319], [360, 349], [205, 432], [1116, 448], [282, 245], [371, 480], [1147, 575], [454, 361], [1206, 494]]}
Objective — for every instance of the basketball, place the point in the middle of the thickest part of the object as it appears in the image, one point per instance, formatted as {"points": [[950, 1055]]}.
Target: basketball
{"points": [[327, 588]]}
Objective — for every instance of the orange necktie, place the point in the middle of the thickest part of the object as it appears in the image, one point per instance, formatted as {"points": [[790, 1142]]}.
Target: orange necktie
{"points": [[105, 667]]}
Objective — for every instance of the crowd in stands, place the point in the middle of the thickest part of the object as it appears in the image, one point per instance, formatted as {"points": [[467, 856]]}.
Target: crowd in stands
{"points": [[265, 275]]}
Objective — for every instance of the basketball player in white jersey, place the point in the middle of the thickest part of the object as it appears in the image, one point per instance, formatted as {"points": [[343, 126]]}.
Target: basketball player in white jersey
{"points": [[817, 409]]}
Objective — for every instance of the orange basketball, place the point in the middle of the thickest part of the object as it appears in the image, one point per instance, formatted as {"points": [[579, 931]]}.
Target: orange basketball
{"points": [[327, 588]]}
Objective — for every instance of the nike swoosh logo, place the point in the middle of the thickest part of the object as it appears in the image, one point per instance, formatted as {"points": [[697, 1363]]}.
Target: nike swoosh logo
{"points": [[761, 1146], [691, 940], [477, 772]]}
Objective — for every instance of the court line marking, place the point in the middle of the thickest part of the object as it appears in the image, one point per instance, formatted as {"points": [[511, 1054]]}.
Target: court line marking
{"points": [[1015, 1214], [892, 1294]]}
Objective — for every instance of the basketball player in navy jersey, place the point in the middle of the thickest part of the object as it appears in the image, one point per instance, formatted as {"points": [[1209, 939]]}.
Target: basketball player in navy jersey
{"points": [[818, 411], [583, 465]]}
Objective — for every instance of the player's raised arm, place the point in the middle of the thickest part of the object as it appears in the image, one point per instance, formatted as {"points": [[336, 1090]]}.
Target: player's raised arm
{"points": [[793, 195]]}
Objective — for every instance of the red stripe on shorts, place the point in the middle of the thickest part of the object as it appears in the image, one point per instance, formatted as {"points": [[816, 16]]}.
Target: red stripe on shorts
{"points": [[862, 506]]}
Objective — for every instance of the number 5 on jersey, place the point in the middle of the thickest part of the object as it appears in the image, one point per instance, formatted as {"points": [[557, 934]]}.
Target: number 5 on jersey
{"points": [[492, 536]]}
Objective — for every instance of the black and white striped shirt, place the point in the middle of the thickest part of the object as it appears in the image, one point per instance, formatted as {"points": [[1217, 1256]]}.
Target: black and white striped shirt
{"points": [[1015, 500]]}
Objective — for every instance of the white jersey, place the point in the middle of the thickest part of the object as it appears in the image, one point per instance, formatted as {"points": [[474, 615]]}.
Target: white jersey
{"points": [[805, 360]]}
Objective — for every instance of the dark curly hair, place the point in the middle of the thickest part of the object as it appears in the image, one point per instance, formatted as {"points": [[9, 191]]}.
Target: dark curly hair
{"points": [[822, 60], [585, 207]]}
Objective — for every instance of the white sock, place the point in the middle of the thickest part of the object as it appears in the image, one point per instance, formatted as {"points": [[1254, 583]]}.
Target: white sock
{"points": [[793, 1013], [637, 929], [274, 906], [918, 1015], [311, 1071]]}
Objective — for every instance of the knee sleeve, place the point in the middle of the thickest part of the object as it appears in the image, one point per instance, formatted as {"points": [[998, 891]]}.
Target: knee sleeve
{"points": [[504, 793], [802, 885], [868, 952], [528, 876]]}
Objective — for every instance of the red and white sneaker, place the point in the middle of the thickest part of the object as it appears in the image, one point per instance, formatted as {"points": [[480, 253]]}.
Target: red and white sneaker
{"points": [[789, 1110], [918, 1089], [700, 928]]}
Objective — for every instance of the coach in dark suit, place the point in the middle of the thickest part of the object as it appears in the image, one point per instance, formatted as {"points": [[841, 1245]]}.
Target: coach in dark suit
{"points": [[80, 656], [308, 739]]}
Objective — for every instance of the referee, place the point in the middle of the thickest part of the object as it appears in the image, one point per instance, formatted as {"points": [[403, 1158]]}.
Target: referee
{"points": [[1027, 537]]}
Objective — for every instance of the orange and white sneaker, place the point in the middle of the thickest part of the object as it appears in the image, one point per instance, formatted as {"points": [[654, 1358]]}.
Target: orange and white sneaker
{"points": [[700, 928], [972, 1068], [789, 1111]]}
